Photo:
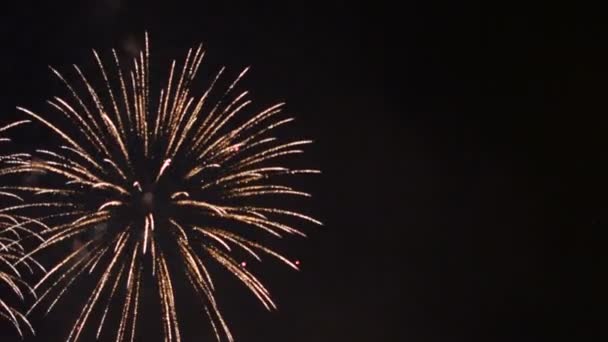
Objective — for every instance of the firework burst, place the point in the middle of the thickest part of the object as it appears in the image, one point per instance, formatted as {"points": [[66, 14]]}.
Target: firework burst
{"points": [[155, 188], [12, 228]]}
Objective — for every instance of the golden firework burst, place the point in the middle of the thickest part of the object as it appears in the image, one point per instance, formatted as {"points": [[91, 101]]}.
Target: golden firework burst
{"points": [[154, 188]]}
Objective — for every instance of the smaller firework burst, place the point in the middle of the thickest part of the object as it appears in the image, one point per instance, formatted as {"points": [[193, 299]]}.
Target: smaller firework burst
{"points": [[12, 229]]}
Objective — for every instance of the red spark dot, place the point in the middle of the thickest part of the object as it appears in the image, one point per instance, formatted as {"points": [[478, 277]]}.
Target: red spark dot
{"points": [[244, 264], [297, 262]]}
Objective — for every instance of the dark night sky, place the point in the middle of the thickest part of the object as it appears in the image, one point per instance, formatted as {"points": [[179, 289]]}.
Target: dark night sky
{"points": [[463, 150]]}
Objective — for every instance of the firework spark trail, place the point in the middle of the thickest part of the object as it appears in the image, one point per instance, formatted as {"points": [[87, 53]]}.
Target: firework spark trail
{"points": [[176, 181], [12, 228]]}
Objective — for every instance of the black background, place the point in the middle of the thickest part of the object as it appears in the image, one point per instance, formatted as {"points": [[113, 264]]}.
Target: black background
{"points": [[463, 150]]}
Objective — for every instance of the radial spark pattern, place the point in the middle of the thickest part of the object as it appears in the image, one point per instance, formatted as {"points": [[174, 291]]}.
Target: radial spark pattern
{"points": [[12, 228], [154, 189]]}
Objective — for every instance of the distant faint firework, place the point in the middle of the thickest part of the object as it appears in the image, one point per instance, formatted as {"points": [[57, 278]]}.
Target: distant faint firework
{"points": [[12, 228], [152, 187]]}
